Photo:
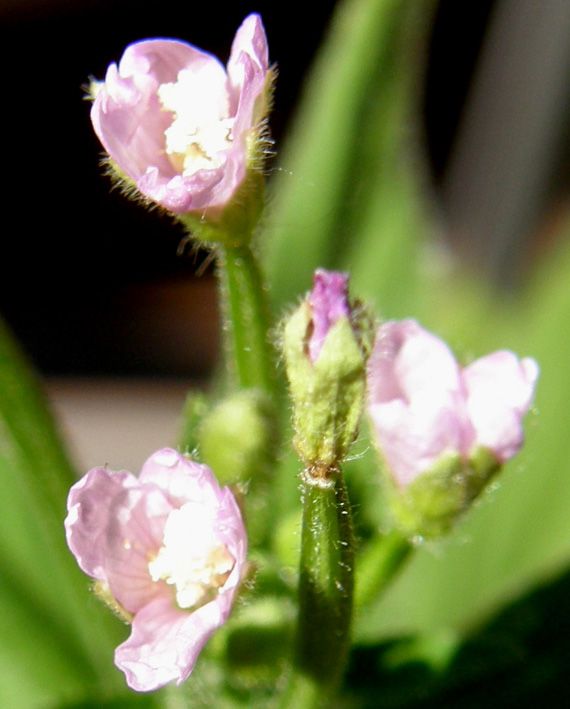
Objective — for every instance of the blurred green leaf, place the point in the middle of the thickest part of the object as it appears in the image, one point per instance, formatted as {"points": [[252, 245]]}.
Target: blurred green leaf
{"points": [[133, 701], [518, 659], [347, 196], [56, 639]]}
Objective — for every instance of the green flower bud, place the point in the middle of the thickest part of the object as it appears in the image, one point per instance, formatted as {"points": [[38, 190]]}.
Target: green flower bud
{"points": [[326, 343]]}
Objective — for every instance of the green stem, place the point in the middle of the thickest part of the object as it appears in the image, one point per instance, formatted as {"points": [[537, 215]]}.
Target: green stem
{"points": [[325, 595], [378, 565], [245, 309]]}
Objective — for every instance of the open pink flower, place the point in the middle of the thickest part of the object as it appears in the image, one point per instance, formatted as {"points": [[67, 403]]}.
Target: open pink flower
{"points": [[424, 406], [178, 124], [169, 548]]}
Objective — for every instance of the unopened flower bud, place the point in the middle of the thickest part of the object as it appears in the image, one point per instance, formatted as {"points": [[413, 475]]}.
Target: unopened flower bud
{"points": [[326, 343]]}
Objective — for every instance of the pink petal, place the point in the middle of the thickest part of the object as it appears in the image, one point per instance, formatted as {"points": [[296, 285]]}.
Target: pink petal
{"points": [[165, 642], [500, 388], [329, 303], [158, 651], [127, 115], [248, 64], [408, 361], [134, 535], [412, 439], [91, 504], [230, 531], [416, 400], [250, 38], [181, 479], [113, 524]]}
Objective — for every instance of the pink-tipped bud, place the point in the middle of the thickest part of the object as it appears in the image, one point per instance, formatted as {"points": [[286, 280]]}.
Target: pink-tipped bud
{"points": [[329, 303]]}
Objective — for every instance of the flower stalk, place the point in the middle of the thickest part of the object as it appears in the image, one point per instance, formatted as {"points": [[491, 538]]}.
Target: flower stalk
{"points": [[325, 593], [325, 346], [246, 314]]}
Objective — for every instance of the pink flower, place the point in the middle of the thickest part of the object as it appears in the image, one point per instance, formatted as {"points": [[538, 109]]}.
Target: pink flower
{"points": [[424, 406], [329, 303], [179, 125], [168, 547]]}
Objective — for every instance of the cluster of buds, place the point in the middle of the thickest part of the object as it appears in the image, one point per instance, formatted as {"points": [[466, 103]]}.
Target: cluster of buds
{"points": [[442, 431]]}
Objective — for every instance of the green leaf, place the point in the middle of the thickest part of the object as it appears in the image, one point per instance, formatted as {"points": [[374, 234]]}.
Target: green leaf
{"points": [[518, 659], [347, 196], [56, 640]]}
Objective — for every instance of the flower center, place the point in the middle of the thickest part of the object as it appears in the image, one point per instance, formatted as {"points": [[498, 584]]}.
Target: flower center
{"points": [[201, 131], [191, 559]]}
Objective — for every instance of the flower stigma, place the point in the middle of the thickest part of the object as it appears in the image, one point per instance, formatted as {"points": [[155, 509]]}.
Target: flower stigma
{"points": [[190, 559], [200, 133]]}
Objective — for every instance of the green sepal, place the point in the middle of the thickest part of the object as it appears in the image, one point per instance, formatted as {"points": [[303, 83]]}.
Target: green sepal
{"points": [[432, 503], [328, 396], [483, 466], [231, 226]]}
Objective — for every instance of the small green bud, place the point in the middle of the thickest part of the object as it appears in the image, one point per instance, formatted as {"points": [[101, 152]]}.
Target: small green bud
{"points": [[237, 437], [238, 440]]}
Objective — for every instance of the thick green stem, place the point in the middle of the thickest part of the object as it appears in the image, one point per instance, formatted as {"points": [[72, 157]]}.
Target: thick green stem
{"points": [[378, 565], [325, 595], [245, 309]]}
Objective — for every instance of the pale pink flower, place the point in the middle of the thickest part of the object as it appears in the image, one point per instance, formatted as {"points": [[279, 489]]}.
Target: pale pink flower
{"points": [[329, 303], [178, 124], [169, 548], [424, 406]]}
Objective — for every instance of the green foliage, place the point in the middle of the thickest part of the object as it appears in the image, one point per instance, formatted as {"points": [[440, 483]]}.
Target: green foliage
{"points": [[57, 640], [517, 659], [348, 196]]}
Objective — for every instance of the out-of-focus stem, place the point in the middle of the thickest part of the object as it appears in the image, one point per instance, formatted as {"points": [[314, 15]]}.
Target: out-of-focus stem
{"points": [[378, 565]]}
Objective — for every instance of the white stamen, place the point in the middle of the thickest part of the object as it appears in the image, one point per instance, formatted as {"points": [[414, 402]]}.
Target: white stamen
{"points": [[191, 559], [201, 130]]}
